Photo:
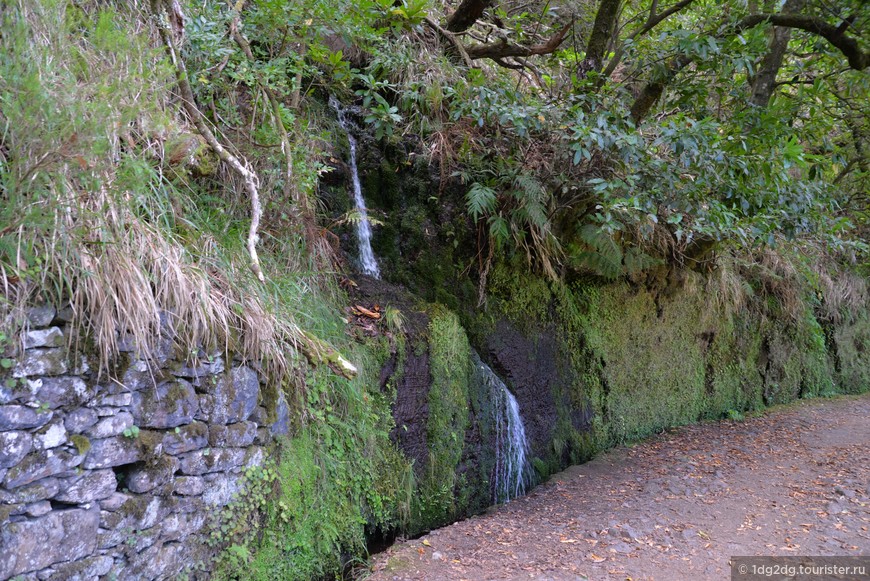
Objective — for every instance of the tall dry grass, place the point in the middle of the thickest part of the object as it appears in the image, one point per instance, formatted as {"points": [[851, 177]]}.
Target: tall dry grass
{"points": [[89, 218]]}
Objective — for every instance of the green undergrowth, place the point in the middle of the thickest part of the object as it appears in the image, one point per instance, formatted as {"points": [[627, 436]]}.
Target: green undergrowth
{"points": [[336, 477]]}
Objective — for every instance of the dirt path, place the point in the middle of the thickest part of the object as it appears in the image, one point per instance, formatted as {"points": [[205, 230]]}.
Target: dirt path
{"points": [[795, 481]]}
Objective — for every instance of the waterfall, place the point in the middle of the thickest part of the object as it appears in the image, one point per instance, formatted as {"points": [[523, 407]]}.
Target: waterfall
{"points": [[363, 226], [512, 472]]}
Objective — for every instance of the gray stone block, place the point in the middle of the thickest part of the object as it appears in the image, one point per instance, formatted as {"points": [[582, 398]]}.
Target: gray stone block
{"points": [[38, 465], [65, 315], [179, 526], [282, 425], [83, 570], [138, 513], [189, 485], [161, 561], [110, 452], [41, 362], [111, 425], [14, 446], [117, 400], [59, 536], [63, 391], [156, 474], [220, 489], [264, 436], [88, 487], [254, 456], [194, 436], [232, 399], [170, 405], [41, 316], [38, 509], [52, 435], [188, 504], [41, 490], [114, 501], [19, 417], [199, 369], [140, 540], [211, 460], [237, 435], [139, 375], [51, 337], [79, 420]]}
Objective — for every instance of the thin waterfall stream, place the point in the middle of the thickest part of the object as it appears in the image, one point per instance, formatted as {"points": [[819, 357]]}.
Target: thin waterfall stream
{"points": [[512, 473], [367, 259]]}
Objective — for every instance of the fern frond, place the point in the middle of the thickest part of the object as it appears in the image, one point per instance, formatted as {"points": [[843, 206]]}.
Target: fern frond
{"points": [[480, 200], [636, 260]]}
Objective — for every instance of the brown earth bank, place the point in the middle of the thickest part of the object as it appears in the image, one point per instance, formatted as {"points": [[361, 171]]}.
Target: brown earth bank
{"points": [[794, 481]]}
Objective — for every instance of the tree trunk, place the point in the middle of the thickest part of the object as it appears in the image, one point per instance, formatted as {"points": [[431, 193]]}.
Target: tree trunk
{"points": [[599, 40], [652, 91], [765, 80], [467, 14]]}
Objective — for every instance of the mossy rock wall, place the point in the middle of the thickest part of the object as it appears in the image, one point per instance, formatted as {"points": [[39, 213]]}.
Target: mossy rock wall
{"points": [[633, 359], [852, 354]]}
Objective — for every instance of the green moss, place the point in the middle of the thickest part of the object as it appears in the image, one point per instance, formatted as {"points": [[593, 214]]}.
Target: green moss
{"points": [[450, 364], [81, 443], [734, 380], [653, 368], [852, 354], [337, 477]]}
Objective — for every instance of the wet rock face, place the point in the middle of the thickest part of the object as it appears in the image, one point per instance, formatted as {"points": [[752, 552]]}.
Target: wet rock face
{"points": [[117, 479], [530, 367], [411, 411]]}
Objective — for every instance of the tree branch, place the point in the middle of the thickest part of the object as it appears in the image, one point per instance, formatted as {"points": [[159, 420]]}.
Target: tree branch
{"points": [[653, 90], [602, 31], [189, 102], [504, 49], [289, 190], [858, 59], [653, 21], [452, 38]]}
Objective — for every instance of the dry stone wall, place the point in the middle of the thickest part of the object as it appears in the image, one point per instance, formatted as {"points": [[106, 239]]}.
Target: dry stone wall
{"points": [[118, 479]]}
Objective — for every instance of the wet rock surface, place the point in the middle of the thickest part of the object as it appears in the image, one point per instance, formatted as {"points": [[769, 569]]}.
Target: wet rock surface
{"points": [[530, 367], [676, 507], [411, 410]]}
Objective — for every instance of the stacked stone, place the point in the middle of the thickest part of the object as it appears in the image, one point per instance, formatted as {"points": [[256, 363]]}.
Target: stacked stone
{"points": [[118, 479]]}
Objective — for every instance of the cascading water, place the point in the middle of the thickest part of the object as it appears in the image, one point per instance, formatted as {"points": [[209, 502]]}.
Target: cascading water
{"points": [[363, 226], [512, 472]]}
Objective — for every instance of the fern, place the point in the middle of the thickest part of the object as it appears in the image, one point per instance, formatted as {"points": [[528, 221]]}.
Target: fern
{"points": [[599, 253], [601, 264], [498, 231], [636, 260], [603, 255], [527, 187], [480, 200]]}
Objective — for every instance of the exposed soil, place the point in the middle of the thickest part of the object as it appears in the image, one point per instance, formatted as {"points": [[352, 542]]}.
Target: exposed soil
{"points": [[795, 481]]}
